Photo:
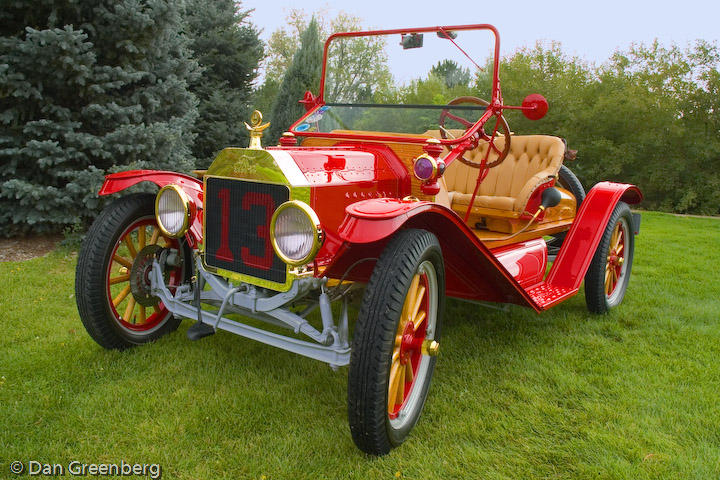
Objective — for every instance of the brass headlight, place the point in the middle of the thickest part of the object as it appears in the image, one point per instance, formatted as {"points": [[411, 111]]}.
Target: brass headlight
{"points": [[172, 211], [295, 233]]}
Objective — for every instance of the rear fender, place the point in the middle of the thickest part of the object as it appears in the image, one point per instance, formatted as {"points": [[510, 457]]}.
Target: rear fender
{"points": [[117, 182], [584, 236], [472, 270]]}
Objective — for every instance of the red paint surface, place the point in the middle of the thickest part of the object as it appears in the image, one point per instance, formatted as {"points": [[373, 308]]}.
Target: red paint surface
{"points": [[118, 182], [584, 236], [345, 174], [509, 274], [355, 190], [472, 270], [525, 261], [536, 199]]}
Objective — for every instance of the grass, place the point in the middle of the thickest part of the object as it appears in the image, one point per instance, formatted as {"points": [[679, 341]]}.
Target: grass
{"points": [[633, 394]]}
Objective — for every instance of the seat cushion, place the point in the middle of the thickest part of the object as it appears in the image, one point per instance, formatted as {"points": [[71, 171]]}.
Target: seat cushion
{"points": [[485, 201]]}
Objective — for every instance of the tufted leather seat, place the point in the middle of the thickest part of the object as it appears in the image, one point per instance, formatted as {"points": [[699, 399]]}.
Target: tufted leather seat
{"points": [[507, 188]]}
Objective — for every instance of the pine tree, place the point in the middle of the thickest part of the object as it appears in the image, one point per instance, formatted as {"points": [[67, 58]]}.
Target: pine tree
{"points": [[228, 49], [302, 75], [87, 88]]}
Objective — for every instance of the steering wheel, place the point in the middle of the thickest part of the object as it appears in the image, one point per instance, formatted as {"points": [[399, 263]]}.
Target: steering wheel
{"points": [[501, 126]]}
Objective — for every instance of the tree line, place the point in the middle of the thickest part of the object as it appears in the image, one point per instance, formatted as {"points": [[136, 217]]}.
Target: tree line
{"points": [[87, 89], [649, 115]]}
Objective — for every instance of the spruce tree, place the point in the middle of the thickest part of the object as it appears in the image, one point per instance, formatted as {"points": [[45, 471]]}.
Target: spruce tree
{"points": [[228, 49], [87, 88], [302, 75]]}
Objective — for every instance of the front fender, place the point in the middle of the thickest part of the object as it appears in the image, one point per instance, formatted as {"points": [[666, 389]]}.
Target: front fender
{"points": [[373, 220], [117, 182], [472, 270]]}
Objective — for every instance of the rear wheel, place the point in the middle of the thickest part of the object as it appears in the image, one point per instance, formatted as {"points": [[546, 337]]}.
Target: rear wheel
{"points": [[112, 276], [609, 272], [395, 342]]}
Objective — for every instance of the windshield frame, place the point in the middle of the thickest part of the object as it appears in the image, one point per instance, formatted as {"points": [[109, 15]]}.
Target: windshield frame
{"points": [[318, 102]]}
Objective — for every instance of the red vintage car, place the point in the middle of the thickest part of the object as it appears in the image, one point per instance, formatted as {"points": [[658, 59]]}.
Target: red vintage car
{"points": [[396, 205]]}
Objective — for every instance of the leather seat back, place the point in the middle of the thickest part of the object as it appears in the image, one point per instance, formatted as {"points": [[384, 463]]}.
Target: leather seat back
{"points": [[529, 155]]}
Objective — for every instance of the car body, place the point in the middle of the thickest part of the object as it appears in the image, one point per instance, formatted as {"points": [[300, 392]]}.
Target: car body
{"points": [[400, 220]]}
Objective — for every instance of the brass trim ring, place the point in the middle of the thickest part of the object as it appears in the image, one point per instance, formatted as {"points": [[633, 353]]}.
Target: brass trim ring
{"points": [[434, 167], [318, 236], [186, 214]]}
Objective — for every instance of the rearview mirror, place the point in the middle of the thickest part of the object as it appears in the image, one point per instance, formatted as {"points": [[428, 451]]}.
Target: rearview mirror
{"points": [[449, 34], [411, 40]]}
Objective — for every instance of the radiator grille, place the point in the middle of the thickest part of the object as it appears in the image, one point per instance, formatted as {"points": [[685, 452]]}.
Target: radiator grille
{"points": [[237, 227]]}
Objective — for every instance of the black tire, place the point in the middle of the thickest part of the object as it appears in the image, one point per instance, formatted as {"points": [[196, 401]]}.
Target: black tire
{"points": [[92, 275], [597, 297], [568, 181], [409, 252]]}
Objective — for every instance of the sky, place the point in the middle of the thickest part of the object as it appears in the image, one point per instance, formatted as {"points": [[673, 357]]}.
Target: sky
{"points": [[589, 30]]}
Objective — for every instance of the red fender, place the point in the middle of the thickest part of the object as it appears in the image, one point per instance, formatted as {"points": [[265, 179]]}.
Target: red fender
{"points": [[117, 182], [584, 236], [472, 270]]}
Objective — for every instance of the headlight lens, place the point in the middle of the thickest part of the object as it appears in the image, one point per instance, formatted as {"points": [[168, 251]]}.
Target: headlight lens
{"points": [[296, 233], [172, 210]]}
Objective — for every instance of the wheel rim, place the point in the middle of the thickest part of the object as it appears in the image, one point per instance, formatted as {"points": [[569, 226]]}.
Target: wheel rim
{"points": [[616, 266], [129, 314], [410, 366]]}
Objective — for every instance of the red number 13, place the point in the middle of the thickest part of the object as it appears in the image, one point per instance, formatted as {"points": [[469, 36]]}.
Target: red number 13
{"points": [[223, 252], [250, 200]]}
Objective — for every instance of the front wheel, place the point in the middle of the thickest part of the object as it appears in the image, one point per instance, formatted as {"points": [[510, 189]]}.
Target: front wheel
{"points": [[395, 342], [609, 274], [112, 286]]}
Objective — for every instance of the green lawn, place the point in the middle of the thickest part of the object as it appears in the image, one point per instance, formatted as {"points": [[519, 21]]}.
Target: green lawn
{"points": [[633, 394]]}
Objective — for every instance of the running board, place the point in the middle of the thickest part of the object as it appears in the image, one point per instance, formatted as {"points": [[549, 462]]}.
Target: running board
{"points": [[546, 295]]}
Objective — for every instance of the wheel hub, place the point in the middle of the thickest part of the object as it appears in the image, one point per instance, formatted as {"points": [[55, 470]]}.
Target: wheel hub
{"points": [[412, 341], [140, 276]]}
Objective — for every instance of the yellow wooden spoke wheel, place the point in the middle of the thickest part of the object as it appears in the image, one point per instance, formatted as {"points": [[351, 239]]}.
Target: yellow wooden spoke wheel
{"points": [[113, 275], [396, 341], [615, 259], [125, 260], [411, 342], [607, 278]]}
